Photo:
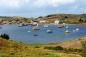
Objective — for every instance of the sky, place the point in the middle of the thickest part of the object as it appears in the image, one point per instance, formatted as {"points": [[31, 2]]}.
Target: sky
{"points": [[35, 8]]}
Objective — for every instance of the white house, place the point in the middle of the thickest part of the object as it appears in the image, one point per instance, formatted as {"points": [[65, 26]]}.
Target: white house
{"points": [[43, 21], [56, 22]]}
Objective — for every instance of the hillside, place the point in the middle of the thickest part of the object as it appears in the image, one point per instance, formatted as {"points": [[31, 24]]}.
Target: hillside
{"points": [[9, 48], [64, 18]]}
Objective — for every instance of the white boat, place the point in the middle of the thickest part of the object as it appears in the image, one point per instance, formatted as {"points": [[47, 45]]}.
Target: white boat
{"points": [[20, 25], [60, 26], [67, 27], [49, 31], [67, 31], [74, 30], [28, 31], [77, 29]]}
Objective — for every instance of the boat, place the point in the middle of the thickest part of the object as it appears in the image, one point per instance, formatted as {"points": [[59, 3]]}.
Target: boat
{"points": [[49, 31], [67, 31], [67, 27], [35, 29], [28, 31], [20, 25], [35, 34], [45, 25], [60, 26], [77, 29]]}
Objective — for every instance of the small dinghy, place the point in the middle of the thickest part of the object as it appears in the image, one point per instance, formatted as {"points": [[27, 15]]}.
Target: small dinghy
{"points": [[28, 31], [35, 34], [77, 29]]}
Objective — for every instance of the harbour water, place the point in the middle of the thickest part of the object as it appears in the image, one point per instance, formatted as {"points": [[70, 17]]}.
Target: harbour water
{"points": [[27, 35]]}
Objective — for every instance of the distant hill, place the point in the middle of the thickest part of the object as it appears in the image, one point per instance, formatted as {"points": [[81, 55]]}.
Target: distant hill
{"points": [[65, 18]]}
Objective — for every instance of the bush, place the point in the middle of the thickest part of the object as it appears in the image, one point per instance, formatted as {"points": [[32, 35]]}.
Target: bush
{"points": [[83, 54], [54, 48], [5, 36], [59, 48]]}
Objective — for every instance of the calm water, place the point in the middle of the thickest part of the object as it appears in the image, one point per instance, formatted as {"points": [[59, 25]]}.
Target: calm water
{"points": [[22, 34]]}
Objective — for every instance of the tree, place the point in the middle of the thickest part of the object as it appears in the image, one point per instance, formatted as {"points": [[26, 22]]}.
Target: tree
{"points": [[5, 36]]}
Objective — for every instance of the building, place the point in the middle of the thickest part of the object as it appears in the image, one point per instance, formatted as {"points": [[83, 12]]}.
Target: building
{"points": [[56, 22], [82, 20], [43, 21]]}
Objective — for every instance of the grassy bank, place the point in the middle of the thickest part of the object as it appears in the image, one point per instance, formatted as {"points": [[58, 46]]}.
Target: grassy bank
{"points": [[9, 48]]}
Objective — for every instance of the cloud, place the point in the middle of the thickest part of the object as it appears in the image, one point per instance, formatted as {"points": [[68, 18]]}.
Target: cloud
{"points": [[12, 3], [41, 7], [53, 3], [34, 3]]}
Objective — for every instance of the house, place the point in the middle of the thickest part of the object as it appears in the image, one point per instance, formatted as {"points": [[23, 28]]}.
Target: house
{"points": [[56, 22], [34, 23], [82, 20], [43, 21]]}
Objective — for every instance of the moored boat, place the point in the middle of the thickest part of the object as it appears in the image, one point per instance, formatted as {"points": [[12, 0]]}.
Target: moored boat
{"points": [[49, 31], [60, 26], [45, 25], [67, 31], [35, 29]]}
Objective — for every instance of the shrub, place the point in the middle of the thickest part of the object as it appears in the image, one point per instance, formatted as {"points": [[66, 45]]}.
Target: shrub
{"points": [[59, 48], [54, 48], [5, 36], [83, 54]]}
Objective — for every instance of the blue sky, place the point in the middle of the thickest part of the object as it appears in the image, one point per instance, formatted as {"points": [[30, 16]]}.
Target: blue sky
{"points": [[35, 8]]}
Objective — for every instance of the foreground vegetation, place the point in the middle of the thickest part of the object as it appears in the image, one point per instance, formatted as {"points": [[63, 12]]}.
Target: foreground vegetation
{"points": [[9, 48]]}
